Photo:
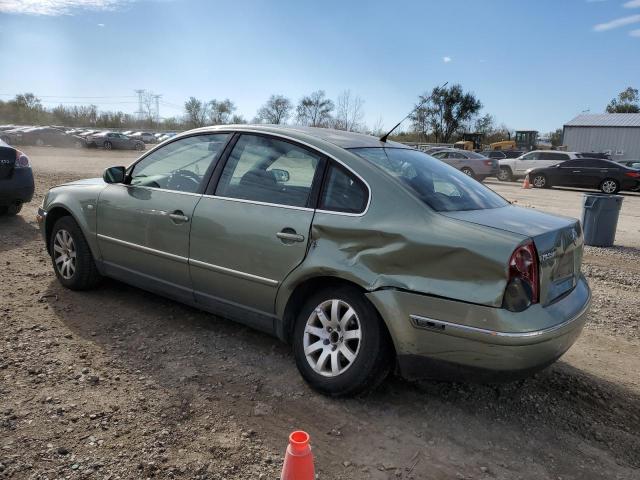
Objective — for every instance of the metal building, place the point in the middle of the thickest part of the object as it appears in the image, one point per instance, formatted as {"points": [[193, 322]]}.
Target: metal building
{"points": [[615, 133]]}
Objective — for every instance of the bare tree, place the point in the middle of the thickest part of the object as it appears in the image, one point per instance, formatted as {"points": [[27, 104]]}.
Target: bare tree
{"points": [[315, 110], [148, 106], [196, 112], [377, 129], [220, 111], [275, 111], [349, 112]]}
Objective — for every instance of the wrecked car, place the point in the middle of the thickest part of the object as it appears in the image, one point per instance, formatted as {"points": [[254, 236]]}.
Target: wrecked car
{"points": [[366, 255]]}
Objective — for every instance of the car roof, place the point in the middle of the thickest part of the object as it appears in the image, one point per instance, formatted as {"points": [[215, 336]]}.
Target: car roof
{"points": [[338, 138]]}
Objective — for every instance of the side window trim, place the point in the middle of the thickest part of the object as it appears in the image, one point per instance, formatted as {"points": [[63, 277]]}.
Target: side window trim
{"points": [[213, 182]]}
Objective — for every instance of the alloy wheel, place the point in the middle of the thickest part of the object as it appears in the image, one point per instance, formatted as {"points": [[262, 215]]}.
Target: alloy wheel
{"points": [[467, 171], [539, 181], [64, 254], [609, 186], [503, 175], [332, 338]]}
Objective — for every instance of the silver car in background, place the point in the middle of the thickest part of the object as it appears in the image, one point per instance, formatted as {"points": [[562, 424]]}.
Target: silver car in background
{"points": [[470, 163]]}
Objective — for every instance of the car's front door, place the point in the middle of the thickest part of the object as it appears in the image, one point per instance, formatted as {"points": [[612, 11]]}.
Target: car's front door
{"points": [[143, 226], [571, 173], [253, 228]]}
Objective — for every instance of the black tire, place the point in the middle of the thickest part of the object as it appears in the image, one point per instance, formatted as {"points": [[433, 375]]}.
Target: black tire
{"points": [[540, 180], [107, 145], [14, 208], [505, 174], [468, 172], [374, 358], [85, 275], [606, 183], [139, 146]]}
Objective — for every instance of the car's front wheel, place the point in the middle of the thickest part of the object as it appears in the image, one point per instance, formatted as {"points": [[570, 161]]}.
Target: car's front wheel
{"points": [[504, 174], [341, 346], [71, 257], [108, 146], [540, 181]]}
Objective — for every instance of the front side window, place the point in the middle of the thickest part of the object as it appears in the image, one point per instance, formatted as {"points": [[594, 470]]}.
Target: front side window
{"points": [[343, 192], [181, 165], [437, 184], [265, 169]]}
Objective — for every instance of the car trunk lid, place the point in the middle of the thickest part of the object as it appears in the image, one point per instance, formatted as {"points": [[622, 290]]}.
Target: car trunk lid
{"points": [[558, 241], [7, 161]]}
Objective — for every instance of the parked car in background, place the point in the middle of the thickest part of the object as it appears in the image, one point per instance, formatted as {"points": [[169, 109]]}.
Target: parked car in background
{"points": [[145, 137], [16, 179], [513, 168], [51, 136], [601, 156], [13, 136], [272, 227], [635, 164], [114, 140], [472, 164], [605, 175], [497, 154]]}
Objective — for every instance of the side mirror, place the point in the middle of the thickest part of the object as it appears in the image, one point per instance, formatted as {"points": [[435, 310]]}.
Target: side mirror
{"points": [[114, 175], [282, 176]]}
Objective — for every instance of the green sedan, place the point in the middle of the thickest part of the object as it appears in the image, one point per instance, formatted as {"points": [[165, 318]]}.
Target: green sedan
{"points": [[366, 256]]}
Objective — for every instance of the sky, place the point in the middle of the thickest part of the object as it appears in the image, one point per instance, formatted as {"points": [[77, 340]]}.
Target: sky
{"points": [[534, 64]]}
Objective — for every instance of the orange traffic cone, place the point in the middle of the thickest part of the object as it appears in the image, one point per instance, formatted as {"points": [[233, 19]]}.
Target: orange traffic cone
{"points": [[526, 183], [298, 461]]}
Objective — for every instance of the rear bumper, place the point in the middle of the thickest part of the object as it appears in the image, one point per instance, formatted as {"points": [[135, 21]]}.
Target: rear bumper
{"points": [[477, 342], [18, 188]]}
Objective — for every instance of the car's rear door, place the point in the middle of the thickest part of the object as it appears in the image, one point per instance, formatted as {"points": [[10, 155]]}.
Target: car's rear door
{"points": [[143, 226], [252, 228]]}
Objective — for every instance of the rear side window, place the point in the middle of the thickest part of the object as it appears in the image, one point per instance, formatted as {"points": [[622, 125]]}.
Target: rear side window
{"points": [[343, 192], [560, 157]]}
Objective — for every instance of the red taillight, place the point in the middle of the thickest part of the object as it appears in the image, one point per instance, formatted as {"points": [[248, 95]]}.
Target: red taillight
{"points": [[488, 163], [523, 284], [22, 161], [633, 174]]}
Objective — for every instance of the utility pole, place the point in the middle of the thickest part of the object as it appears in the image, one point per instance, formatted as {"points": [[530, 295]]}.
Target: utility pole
{"points": [[157, 112], [140, 112]]}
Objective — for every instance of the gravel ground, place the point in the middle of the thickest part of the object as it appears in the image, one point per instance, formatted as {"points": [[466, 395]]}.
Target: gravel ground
{"points": [[117, 383]]}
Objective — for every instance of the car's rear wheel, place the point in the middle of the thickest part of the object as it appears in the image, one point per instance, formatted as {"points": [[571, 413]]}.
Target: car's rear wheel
{"points": [[12, 209], [609, 185], [468, 172], [139, 146], [540, 181], [504, 174], [71, 257], [340, 343], [108, 146]]}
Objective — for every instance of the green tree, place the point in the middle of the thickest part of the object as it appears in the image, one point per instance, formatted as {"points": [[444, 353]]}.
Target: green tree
{"points": [[195, 112], [628, 101], [444, 110]]}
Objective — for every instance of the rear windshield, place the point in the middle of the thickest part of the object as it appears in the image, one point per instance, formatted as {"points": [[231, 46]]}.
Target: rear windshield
{"points": [[437, 184]]}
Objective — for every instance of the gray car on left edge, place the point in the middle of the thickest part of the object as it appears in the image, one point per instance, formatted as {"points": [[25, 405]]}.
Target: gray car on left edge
{"points": [[470, 163]]}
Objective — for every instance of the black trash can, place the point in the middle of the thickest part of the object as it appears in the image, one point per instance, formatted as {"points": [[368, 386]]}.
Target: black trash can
{"points": [[600, 218]]}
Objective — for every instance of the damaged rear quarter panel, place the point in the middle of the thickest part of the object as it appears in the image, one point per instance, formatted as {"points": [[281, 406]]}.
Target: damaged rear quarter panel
{"points": [[401, 243]]}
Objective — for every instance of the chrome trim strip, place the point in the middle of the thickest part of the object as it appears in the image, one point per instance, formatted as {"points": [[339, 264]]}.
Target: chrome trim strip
{"points": [[456, 329], [158, 189], [255, 202], [142, 248], [234, 273]]}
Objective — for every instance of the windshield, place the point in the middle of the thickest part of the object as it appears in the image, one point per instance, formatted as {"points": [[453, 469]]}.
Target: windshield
{"points": [[440, 186]]}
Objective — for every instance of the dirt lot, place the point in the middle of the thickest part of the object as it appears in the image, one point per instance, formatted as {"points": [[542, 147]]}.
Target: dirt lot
{"points": [[118, 383]]}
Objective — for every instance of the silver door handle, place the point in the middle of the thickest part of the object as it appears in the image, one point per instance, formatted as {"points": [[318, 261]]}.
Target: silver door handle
{"points": [[576, 171], [178, 217], [290, 237]]}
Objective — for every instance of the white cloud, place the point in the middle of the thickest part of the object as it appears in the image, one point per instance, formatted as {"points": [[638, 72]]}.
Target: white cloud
{"points": [[617, 23], [101, 24], [446, 59], [635, 33], [632, 4], [56, 7]]}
